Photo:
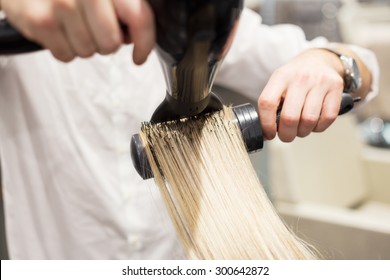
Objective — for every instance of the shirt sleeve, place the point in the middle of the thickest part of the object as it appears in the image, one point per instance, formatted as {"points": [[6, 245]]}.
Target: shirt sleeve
{"points": [[258, 50]]}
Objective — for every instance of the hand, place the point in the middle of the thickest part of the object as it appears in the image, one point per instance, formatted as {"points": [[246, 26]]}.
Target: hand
{"points": [[71, 28], [310, 87]]}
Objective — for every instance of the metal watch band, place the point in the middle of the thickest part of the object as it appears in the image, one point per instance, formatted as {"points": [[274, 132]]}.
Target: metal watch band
{"points": [[352, 78]]}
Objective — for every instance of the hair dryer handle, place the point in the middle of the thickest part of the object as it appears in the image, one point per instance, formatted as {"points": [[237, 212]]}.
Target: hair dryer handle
{"points": [[12, 42]]}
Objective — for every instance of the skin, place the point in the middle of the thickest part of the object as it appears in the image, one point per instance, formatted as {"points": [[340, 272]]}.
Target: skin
{"points": [[310, 85], [80, 28]]}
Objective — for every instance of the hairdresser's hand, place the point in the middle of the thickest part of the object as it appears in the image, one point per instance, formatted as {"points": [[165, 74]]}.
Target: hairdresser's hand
{"points": [[71, 28], [310, 87]]}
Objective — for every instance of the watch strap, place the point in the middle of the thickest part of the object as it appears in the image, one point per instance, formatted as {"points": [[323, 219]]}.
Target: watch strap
{"points": [[352, 79]]}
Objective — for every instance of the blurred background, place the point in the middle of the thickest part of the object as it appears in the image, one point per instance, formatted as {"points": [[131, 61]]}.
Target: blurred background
{"points": [[333, 189]]}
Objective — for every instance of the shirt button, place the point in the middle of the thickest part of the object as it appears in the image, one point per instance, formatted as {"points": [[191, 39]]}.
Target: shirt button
{"points": [[135, 242]]}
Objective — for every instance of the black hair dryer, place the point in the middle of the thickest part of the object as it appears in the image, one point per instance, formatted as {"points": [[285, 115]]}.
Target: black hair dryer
{"points": [[193, 37]]}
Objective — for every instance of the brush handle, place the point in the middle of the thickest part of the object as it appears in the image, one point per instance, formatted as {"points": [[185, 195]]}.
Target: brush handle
{"points": [[346, 105]]}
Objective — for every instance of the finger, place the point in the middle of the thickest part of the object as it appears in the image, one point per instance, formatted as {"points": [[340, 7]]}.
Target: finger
{"points": [[139, 17], [49, 33], [103, 23], [311, 111], [292, 111], [39, 25], [76, 29], [268, 104], [330, 111], [58, 44]]}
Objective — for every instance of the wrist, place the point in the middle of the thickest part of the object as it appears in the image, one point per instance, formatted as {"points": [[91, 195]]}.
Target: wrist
{"points": [[350, 71]]}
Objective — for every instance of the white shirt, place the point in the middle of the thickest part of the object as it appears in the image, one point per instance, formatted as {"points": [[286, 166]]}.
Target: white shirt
{"points": [[70, 190]]}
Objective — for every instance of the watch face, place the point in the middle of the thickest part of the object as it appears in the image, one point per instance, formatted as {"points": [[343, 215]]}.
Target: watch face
{"points": [[352, 77]]}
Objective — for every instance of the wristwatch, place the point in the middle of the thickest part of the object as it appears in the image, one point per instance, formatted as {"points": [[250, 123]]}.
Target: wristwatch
{"points": [[352, 78]]}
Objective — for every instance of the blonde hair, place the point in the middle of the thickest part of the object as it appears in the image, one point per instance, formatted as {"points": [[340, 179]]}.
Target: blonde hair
{"points": [[213, 195]]}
